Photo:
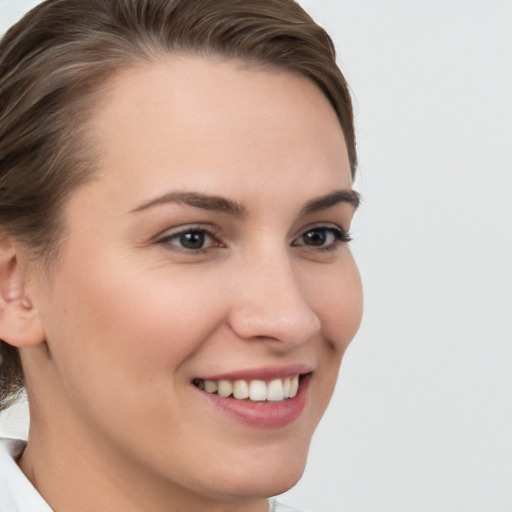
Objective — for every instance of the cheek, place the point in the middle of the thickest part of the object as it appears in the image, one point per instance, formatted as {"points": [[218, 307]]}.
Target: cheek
{"points": [[124, 350], [337, 299], [131, 323]]}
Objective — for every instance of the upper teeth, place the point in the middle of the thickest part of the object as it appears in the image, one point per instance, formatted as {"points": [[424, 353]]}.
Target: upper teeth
{"points": [[256, 390]]}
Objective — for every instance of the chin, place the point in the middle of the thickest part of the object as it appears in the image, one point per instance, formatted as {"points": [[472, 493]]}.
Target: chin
{"points": [[271, 484], [266, 476], [283, 483]]}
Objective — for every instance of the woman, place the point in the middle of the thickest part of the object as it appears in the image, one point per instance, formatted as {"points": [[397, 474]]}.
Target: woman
{"points": [[177, 289]]}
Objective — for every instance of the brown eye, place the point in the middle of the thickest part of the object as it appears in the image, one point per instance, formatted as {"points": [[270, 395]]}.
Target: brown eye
{"points": [[192, 239], [316, 237], [322, 237]]}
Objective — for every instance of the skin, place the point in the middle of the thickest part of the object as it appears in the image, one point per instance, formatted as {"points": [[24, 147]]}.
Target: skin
{"points": [[129, 318]]}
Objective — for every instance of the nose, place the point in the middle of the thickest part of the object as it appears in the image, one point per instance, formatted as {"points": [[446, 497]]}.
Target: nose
{"points": [[269, 302]]}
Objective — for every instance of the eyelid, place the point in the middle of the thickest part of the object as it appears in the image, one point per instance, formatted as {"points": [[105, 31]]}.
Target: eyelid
{"points": [[209, 230], [321, 225], [342, 235]]}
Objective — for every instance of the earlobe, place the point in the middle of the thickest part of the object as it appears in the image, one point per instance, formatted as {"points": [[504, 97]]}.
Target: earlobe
{"points": [[20, 324]]}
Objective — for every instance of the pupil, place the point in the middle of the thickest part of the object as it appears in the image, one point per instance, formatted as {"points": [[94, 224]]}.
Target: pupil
{"points": [[315, 237], [192, 240]]}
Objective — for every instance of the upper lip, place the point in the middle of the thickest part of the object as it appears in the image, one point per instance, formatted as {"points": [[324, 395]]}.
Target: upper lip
{"points": [[266, 373]]}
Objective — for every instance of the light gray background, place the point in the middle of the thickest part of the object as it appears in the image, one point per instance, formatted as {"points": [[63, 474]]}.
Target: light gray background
{"points": [[422, 417]]}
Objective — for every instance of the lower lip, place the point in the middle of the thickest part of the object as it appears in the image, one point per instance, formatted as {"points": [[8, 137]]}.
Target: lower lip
{"points": [[264, 415]]}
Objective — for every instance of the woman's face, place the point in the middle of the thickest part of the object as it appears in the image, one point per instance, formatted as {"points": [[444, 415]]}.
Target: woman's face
{"points": [[209, 253]]}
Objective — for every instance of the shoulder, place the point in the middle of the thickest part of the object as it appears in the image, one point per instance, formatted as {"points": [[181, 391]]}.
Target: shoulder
{"points": [[17, 494]]}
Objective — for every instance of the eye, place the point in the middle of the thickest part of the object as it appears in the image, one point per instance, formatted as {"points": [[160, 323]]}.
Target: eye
{"points": [[191, 239], [323, 237]]}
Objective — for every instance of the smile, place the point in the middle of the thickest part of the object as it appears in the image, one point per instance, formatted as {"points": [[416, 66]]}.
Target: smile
{"points": [[254, 390], [265, 398]]}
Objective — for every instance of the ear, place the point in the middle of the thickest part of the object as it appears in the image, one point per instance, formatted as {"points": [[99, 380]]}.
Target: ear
{"points": [[20, 324]]}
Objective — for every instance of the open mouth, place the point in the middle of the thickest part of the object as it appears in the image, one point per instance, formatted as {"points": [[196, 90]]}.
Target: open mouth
{"points": [[275, 390]]}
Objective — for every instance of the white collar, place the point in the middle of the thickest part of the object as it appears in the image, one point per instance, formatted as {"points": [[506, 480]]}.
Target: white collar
{"points": [[17, 494]]}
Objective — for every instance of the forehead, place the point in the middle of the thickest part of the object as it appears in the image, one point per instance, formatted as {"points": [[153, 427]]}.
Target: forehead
{"points": [[195, 118]]}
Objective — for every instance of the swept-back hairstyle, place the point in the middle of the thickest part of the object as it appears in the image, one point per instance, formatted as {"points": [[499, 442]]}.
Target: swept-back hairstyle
{"points": [[54, 62]]}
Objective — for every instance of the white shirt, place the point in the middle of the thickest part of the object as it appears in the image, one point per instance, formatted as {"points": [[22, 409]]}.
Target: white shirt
{"points": [[17, 494]]}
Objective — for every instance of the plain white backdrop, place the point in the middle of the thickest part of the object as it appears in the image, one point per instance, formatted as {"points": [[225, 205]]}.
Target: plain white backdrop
{"points": [[422, 417]]}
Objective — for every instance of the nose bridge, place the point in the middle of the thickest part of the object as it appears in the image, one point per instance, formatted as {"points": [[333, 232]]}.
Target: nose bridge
{"points": [[269, 301]]}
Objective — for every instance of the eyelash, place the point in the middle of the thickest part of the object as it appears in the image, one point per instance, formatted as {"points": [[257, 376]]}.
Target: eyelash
{"points": [[341, 237], [212, 233]]}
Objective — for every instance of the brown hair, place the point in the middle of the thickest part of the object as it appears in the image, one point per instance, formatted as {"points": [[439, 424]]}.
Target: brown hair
{"points": [[54, 61]]}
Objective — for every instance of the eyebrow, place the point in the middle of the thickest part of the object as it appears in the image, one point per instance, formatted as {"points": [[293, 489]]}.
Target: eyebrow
{"points": [[338, 196], [223, 205], [197, 200]]}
